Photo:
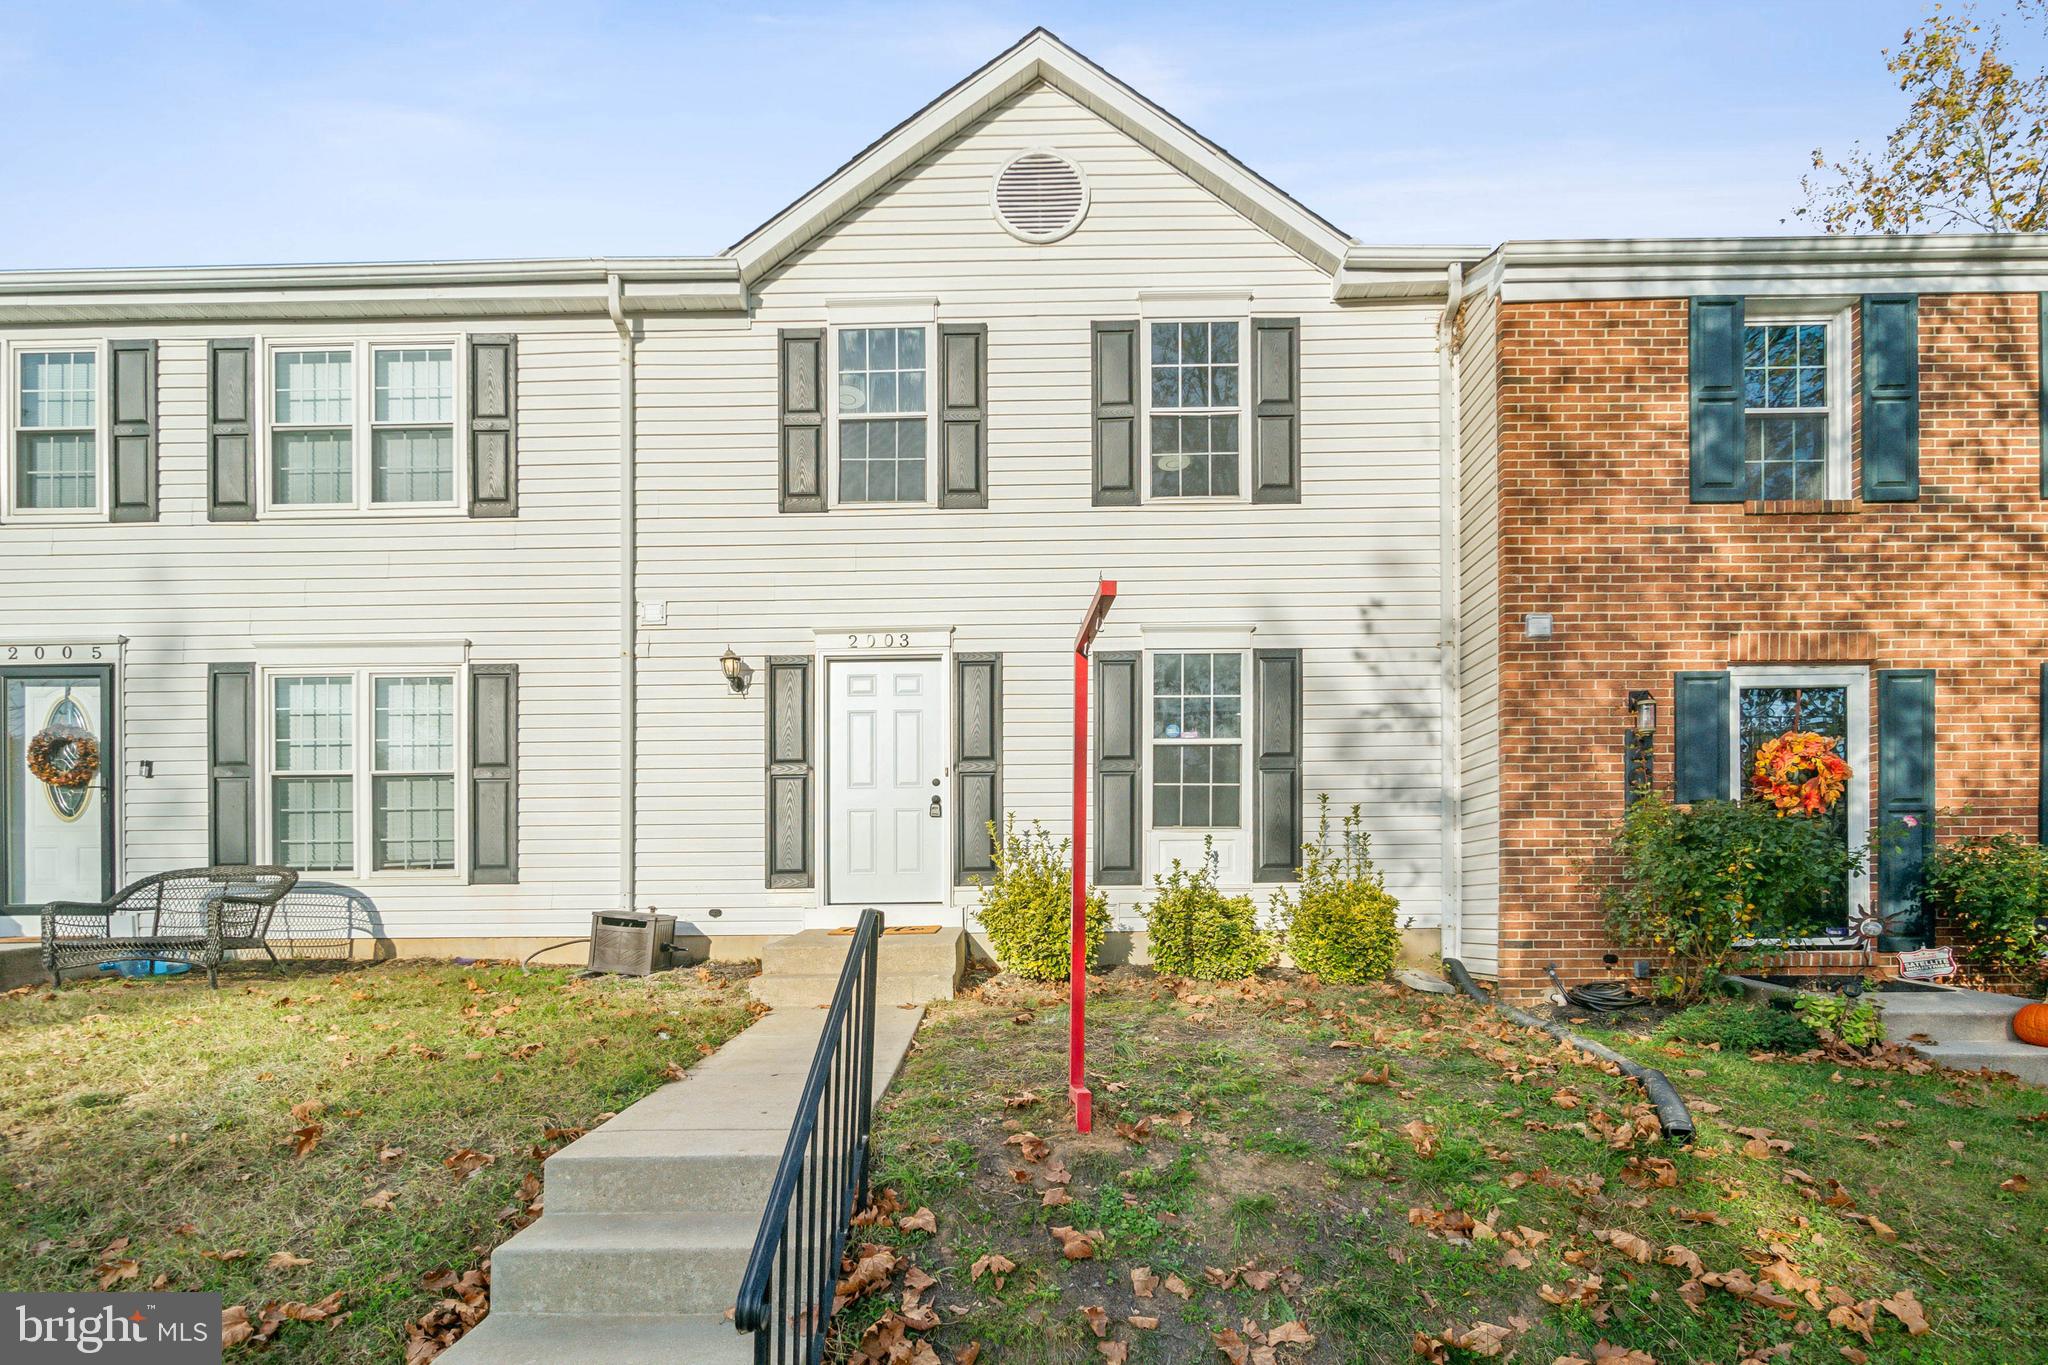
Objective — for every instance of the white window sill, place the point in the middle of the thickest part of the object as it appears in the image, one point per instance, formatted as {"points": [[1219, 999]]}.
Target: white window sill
{"points": [[407, 512]]}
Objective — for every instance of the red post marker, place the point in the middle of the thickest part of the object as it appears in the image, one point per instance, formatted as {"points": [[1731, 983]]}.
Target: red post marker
{"points": [[1077, 995]]}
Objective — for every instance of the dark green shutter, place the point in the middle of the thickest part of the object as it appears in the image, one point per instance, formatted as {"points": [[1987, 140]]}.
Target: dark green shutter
{"points": [[231, 764], [1119, 770], [800, 367], [1114, 383], [1701, 735], [230, 425], [790, 770], [1276, 410], [2041, 812], [977, 763], [1718, 474], [1276, 757], [1891, 398], [494, 426], [132, 413], [963, 414], [494, 773], [1905, 791]]}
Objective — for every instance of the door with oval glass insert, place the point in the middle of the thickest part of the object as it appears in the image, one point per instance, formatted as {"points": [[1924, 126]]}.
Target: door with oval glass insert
{"points": [[56, 798], [885, 793]]}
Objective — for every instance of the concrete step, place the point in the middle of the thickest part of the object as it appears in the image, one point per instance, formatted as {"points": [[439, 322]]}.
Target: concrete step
{"points": [[820, 950], [547, 1339], [2023, 1060], [624, 1263], [665, 1170], [798, 991], [1952, 1026]]}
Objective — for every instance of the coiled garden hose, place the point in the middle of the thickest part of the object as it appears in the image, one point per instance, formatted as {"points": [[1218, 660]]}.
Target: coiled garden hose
{"points": [[1602, 997], [1672, 1116]]}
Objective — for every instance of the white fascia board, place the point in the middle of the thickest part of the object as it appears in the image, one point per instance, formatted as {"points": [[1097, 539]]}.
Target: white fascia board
{"points": [[1039, 57], [1370, 273], [541, 288], [1773, 266]]}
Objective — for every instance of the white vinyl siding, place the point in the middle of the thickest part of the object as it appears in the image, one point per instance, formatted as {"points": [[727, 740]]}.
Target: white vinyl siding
{"points": [[541, 590], [1350, 576], [1479, 609]]}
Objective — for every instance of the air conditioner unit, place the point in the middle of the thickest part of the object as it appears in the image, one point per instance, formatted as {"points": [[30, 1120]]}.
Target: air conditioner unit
{"points": [[629, 942]]}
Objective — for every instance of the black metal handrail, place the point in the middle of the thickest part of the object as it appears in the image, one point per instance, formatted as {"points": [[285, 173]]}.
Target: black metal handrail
{"points": [[786, 1292]]}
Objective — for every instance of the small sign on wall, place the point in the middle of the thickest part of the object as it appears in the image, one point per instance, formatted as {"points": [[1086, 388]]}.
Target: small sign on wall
{"points": [[1927, 964]]}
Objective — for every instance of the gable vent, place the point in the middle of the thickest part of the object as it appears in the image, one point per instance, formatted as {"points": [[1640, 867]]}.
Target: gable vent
{"points": [[1040, 197]]}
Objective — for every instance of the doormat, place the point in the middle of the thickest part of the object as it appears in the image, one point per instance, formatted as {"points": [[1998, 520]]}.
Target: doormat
{"points": [[905, 929]]}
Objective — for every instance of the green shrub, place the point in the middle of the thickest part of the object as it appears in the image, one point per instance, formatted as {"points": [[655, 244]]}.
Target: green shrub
{"points": [[1339, 924], [1855, 1021], [1989, 892], [1697, 879], [1740, 1027], [1027, 909], [1196, 930]]}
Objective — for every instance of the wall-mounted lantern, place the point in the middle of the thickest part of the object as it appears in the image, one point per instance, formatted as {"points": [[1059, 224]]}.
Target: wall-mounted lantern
{"points": [[738, 674], [1638, 746]]}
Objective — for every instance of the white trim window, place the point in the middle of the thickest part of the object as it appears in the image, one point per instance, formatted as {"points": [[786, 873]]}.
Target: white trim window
{"points": [[1833, 701], [58, 441], [1795, 398], [1195, 409], [338, 805], [358, 425], [882, 399], [1197, 766]]}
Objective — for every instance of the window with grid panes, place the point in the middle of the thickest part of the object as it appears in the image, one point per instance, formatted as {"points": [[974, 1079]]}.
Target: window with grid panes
{"points": [[1195, 408], [312, 428], [1785, 392], [1197, 740], [412, 424], [412, 765], [313, 772], [883, 414], [56, 436]]}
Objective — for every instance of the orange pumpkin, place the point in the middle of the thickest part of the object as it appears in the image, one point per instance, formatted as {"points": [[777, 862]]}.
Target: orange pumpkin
{"points": [[2031, 1024]]}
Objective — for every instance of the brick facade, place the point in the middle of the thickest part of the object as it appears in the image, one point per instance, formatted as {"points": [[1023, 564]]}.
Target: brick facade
{"points": [[1596, 528]]}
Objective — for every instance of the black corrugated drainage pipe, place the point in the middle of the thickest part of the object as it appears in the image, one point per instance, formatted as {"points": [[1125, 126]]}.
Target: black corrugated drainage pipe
{"points": [[1672, 1115]]}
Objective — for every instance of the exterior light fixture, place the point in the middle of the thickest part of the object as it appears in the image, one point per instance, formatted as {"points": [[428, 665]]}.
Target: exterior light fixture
{"points": [[1638, 747], [738, 675]]}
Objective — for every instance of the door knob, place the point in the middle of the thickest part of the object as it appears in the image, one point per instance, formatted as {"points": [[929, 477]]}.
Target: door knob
{"points": [[935, 812]]}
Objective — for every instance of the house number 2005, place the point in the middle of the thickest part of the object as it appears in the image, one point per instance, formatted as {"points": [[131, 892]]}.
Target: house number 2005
{"points": [[897, 639], [16, 653]]}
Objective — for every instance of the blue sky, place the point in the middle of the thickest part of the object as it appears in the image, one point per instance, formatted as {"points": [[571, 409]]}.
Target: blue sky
{"points": [[175, 132]]}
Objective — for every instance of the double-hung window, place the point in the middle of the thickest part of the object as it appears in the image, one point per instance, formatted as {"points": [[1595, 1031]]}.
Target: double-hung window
{"points": [[1196, 408], [339, 805], [1795, 427], [56, 430], [883, 402], [362, 425], [1197, 740]]}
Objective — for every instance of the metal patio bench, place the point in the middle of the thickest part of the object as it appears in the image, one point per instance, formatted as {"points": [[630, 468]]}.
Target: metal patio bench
{"points": [[197, 914]]}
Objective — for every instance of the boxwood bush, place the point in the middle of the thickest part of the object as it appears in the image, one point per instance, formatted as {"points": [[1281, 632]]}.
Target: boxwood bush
{"points": [[1989, 892], [1027, 908], [1340, 923], [1197, 931]]}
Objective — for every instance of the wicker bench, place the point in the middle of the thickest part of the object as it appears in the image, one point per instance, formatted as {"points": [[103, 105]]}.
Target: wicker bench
{"points": [[198, 914]]}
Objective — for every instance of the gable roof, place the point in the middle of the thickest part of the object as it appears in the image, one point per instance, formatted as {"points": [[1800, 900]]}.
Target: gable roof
{"points": [[1041, 56]]}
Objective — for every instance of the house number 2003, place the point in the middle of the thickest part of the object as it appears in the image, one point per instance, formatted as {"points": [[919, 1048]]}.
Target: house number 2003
{"points": [[16, 653], [896, 639]]}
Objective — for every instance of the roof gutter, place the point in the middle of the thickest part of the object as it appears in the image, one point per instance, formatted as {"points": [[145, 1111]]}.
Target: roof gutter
{"points": [[629, 641]]}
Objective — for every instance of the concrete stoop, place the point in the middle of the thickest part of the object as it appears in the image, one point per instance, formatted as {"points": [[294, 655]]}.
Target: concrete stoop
{"points": [[800, 971], [1970, 1029], [650, 1216]]}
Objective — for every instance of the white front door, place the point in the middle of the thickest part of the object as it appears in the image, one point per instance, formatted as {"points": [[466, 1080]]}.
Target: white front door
{"points": [[885, 825], [58, 838]]}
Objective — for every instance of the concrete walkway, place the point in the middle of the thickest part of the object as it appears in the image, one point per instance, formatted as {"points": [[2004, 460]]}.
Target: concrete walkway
{"points": [[650, 1217], [1969, 1029]]}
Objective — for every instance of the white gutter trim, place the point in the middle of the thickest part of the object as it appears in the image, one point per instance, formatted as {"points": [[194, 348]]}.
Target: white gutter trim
{"points": [[629, 627], [1451, 568]]}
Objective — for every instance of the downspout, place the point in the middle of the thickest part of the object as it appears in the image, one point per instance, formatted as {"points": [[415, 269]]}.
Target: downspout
{"points": [[629, 540], [1452, 921]]}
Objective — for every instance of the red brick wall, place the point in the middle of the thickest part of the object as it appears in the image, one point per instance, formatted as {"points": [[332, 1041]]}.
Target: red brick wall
{"points": [[1597, 529]]}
